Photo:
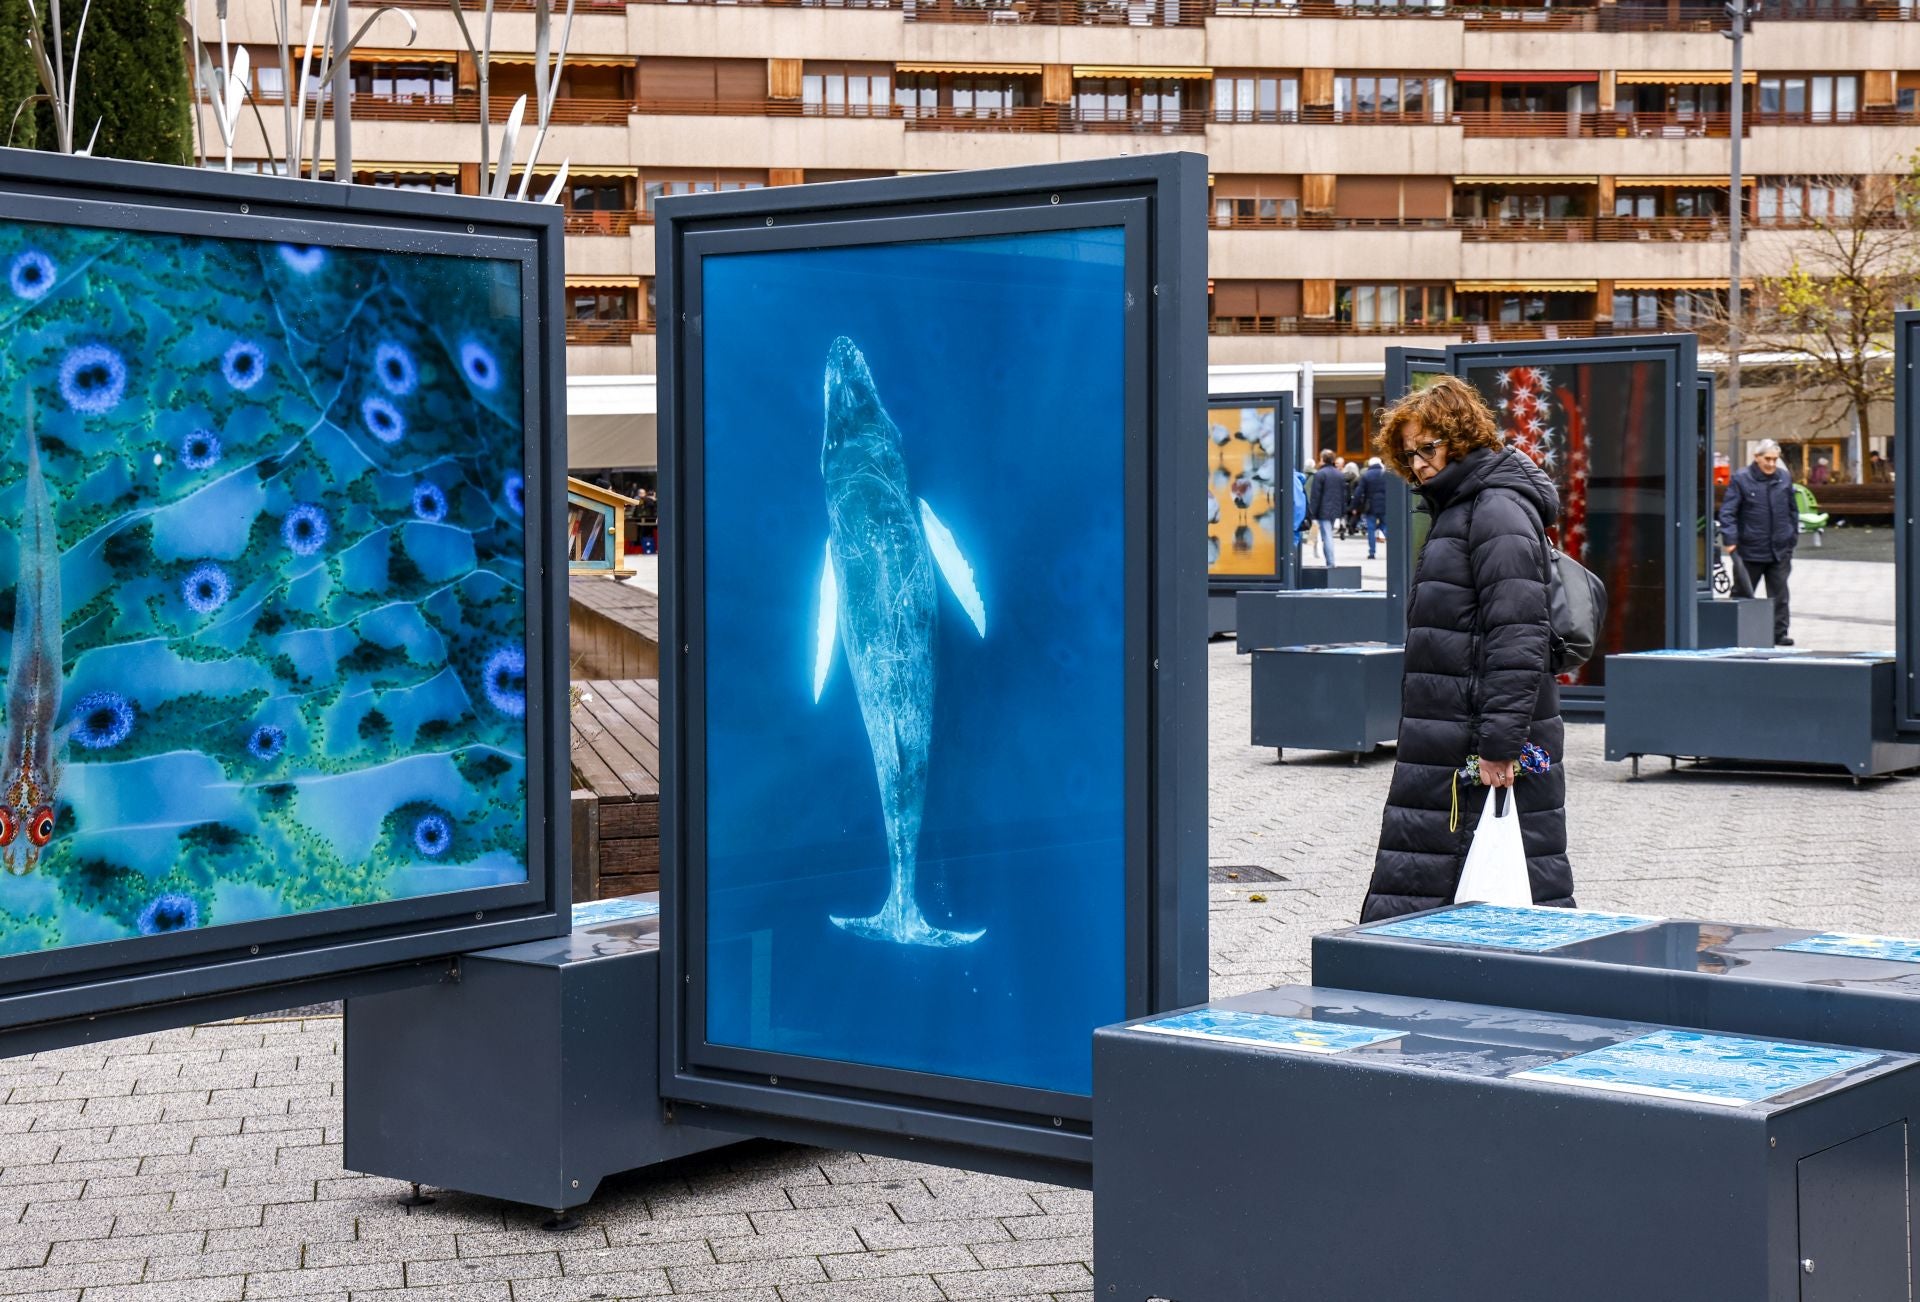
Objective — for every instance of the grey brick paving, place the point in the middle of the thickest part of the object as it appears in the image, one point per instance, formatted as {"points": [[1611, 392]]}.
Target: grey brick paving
{"points": [[203, 1164]]}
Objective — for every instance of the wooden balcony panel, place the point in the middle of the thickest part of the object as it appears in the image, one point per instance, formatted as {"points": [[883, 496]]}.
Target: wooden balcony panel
{"points": [[606, 332], [1316, 222], [605, 221], [1572, 230], [1465, 332]]}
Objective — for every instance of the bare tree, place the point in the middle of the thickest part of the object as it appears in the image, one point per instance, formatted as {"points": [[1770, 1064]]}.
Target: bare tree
{"points": [[1824, 308]]}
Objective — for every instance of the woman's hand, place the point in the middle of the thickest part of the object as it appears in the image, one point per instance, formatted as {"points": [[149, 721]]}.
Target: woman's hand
{"points": [[1496, 773]]}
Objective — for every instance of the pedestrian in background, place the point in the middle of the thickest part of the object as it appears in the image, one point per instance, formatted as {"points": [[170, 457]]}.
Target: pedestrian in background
{"points": [[1477, 679], [1373, 502], [1760, 525], [1327, 502]]}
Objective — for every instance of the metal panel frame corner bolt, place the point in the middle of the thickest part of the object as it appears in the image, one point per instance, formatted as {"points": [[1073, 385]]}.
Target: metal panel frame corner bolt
{"points": [[1160, 201]]}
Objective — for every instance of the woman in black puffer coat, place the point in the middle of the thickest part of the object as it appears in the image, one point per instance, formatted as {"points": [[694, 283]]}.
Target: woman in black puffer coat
{"points": [[1477, 679]]}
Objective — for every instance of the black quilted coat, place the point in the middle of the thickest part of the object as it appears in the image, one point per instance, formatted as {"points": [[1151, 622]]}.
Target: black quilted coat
{"points": [[1476, 683]]}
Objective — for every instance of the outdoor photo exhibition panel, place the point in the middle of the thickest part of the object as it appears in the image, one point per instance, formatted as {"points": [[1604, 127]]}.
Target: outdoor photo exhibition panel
{"points": [[282, 683], [1612, 424], [1906, 425], [1249, 538], [935, 731]]}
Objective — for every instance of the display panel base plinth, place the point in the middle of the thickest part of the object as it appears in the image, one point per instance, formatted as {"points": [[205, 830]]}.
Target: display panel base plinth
{"points": [[1734, 621], [531, 1079], [1763, 706], [1321, 577], [1221, 609], [1293, 618], [1423, 1169], [1718, 976], [1337, 698]]}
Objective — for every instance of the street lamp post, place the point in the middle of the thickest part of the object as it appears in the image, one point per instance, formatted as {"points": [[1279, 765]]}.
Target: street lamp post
{"points": [[1741, 12]]}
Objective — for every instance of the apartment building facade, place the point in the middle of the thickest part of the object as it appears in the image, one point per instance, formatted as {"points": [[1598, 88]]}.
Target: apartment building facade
{"points": [[1413, 174]]}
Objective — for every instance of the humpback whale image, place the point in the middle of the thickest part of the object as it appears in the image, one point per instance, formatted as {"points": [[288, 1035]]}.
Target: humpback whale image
{"points": [[878, 599], [30, 770]]}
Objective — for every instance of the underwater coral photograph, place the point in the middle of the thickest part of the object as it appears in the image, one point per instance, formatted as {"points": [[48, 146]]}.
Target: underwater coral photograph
{"points": [[262, 560]]}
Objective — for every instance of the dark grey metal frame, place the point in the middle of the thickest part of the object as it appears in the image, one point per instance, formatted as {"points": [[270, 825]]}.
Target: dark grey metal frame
{"points": [[1285, 552], [145, 981], [1705, 387], [1159, 199], [1679, 352], [1906, 504], [1402, 365]]}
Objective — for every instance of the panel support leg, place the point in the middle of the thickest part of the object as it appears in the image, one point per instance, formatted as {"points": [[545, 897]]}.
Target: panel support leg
{"points": [[416, 1198]]}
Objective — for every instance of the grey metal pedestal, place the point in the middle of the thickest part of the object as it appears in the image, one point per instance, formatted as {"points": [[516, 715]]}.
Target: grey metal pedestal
{"points": [[1284, 618], [1323, 577], [531, 1078], [1426, 1169], [1721, 976], [1338, 698], [1772, 706], [1734, 622], [1222, 608]]}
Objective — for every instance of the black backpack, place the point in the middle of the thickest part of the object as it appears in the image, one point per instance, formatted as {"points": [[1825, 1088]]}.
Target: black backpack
{"points": [[1576, 607]]}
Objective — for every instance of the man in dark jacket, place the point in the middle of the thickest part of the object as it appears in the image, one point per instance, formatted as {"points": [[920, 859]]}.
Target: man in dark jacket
{"points": [[1373, 501], [1759, 524], [1327, 502]]}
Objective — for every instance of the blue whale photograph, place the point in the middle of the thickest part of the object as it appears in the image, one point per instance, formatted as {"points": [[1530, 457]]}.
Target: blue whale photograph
{"points": [[262, 559], [913, 547]]}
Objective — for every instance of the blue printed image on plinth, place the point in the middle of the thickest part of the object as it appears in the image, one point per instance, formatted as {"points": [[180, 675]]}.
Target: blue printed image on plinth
{"points": [[261, 559], [914, 594]]}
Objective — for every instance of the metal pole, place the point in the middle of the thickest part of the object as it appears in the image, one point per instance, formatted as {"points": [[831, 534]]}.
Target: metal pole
{"points": [[1736, 198], [342, 97]]}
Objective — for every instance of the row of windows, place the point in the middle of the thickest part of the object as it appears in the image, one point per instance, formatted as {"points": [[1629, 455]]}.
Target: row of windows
{"points": [[1236, 96], [1378, 306]]}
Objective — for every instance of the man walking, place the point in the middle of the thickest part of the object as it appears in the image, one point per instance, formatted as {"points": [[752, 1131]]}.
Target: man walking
{"points": [[1759, 523], [1373, 502], [1327, 502]]}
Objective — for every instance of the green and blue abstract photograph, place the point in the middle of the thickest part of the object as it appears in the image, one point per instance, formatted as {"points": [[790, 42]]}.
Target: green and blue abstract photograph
{"points": [[262, 554], [914, 555]]}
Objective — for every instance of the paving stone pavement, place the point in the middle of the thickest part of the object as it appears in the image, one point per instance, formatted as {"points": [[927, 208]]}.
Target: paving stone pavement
{"points": [[203, 1165]]}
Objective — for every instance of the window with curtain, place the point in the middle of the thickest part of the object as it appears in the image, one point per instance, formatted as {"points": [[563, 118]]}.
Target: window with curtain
{"points": [[1375, 97], [1378, 305], [1818, 98], [405, 83], [1254, 97], [988, 96], [845, 94], [916, 94], [1100, 99]]}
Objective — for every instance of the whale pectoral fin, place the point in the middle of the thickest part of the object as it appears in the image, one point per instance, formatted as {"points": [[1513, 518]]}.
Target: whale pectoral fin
{"points": [[954, 567], [829, 623]]}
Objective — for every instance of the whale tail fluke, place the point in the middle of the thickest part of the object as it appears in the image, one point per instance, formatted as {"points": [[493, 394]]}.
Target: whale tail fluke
{"points": [[901, 922]]}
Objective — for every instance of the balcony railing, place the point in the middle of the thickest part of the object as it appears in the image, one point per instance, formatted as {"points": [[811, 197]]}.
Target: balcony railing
{"points": [[1324, 222], [1062, 118], [605, 221], [1464, 332], [605, 333], [1192, 13]]}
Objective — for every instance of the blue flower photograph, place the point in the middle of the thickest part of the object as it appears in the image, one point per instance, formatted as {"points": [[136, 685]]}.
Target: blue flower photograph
{"points": [[914, 717], [262, 621]]}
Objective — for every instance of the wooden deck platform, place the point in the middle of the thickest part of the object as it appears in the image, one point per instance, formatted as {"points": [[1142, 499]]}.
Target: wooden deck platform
{"points": [[613, 629], [616, 797]]}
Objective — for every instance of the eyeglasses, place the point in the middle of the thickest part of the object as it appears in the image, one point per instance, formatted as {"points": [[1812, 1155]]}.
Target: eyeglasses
{"points": [[1425, 451]]}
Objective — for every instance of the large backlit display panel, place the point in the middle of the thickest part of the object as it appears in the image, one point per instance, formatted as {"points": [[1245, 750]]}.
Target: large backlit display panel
{"points": [[1613, 428], [268, 668], [1906, 425], [1247, 539], [917, 853]]}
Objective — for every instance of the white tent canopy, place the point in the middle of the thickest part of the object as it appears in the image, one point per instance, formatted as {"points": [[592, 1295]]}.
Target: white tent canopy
{"points": [[610, 423]]}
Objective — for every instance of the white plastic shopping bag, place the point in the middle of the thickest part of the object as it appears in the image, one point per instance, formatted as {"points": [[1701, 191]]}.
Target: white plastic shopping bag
{"points": [[1496, 870]]}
